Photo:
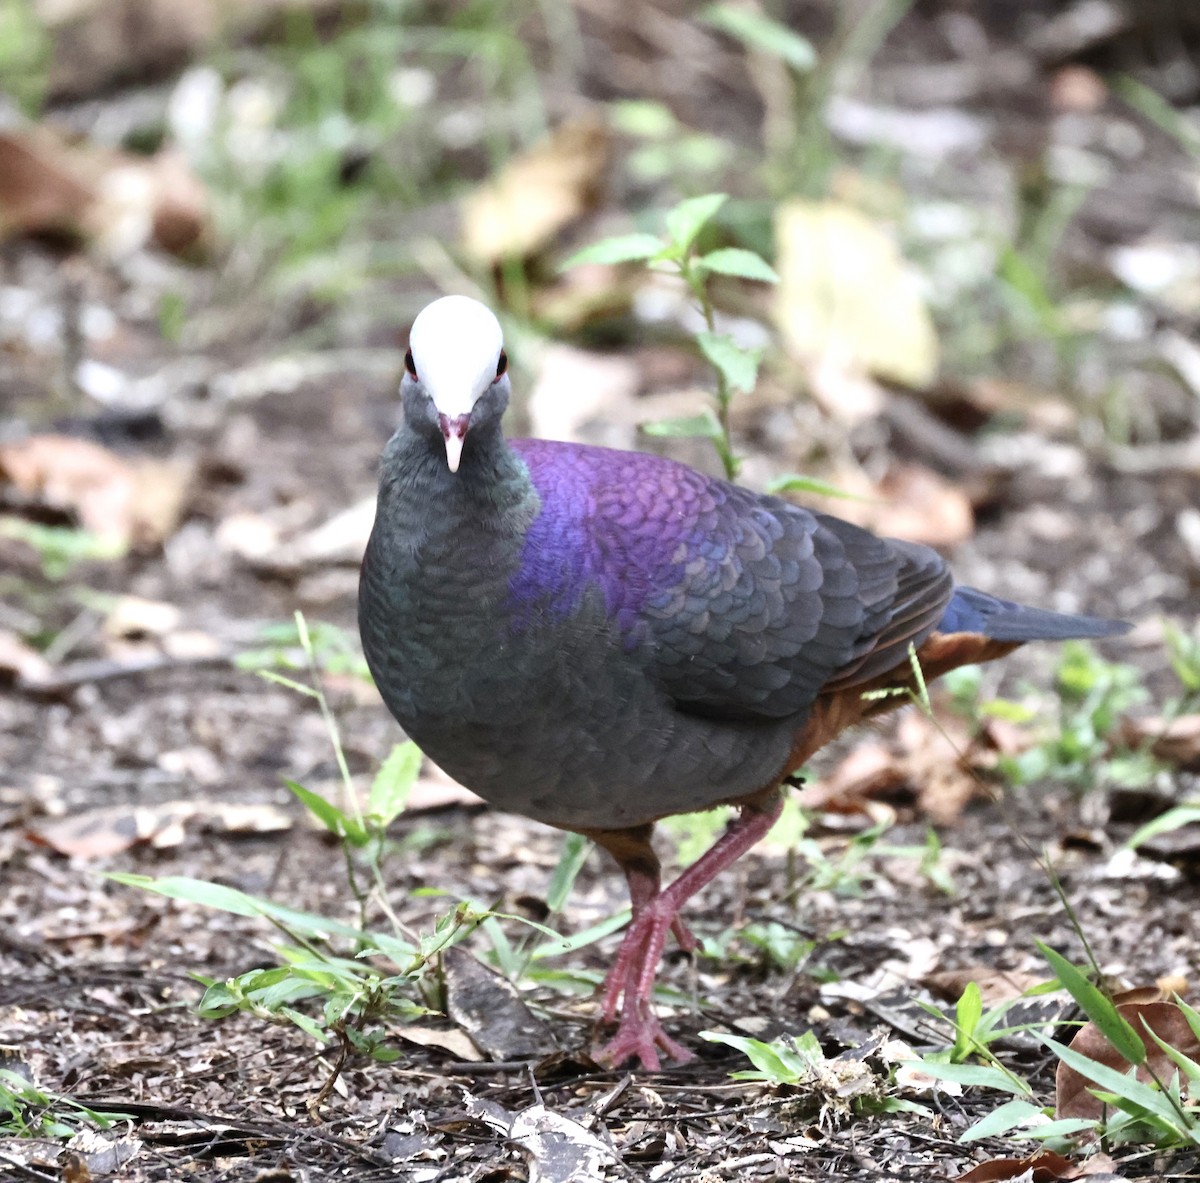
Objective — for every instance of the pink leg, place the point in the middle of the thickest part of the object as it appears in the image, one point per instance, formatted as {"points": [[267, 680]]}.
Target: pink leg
{"points": [[630, 981]]}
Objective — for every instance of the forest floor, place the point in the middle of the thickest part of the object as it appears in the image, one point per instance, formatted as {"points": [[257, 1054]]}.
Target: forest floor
{"points": [[140, 745]]}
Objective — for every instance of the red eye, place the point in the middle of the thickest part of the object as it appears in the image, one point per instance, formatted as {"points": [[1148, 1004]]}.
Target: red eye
{"points": [[502, 364], [410, 365]]}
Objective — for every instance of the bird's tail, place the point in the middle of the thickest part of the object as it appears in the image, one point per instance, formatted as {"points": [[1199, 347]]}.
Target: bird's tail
{"points": [[971, 611]]}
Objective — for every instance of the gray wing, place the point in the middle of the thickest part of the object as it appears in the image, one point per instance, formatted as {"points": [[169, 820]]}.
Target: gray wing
{"points": [[777, 604]]}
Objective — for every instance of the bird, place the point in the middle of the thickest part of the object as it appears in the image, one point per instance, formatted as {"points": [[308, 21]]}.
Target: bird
{"points": [[598, 639]]}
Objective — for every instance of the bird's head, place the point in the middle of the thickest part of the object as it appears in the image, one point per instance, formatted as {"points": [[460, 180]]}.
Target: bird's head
{"points": [[456, 371]]}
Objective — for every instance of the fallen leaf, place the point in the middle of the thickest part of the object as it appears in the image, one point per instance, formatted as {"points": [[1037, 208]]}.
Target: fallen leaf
{"points": [[39, 192], [448, 1039], [132, 618], [870, 770], [103, 832], [115, 200], [111, 829], [937, 760], [489, 1008], [920, 505], [538, 193], [1174, 741], [846, 295], [559, 1149], [126, 502], [20, 662], [575, 387], [1043, 1167], [995, 985], [910, 501], [431, 792], [1073, 1097]]}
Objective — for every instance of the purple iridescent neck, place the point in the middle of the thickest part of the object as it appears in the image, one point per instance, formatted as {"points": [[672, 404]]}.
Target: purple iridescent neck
{"points": [[625, 523]]}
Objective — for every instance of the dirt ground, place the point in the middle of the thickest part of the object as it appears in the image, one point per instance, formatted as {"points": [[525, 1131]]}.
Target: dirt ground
{"points": [[140, 752]]}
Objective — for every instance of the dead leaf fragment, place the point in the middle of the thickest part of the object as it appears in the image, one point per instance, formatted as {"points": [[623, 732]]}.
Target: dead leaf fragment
{"points": [[910, 501], [39, 192], [115, 200], [108, 830], [932, 766], [133, 618], [20, 662], [847, 296], [1073, 1097], [448, 1039], [559, 1149], [101, 833], [1043, 1167], [490, 1009], [1174, 741], [995, 985], [538, 193], [125, 502]]}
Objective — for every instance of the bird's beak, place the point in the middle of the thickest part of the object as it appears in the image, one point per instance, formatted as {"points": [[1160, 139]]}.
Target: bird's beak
{"points": [[454, 432]]}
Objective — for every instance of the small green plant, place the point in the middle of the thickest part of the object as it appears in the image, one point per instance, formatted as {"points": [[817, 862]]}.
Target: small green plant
{"points": [[1155, 1111], [841, 1087], [358, 830], [676, 251], [60, 548], [24, 54], [1078, 749], [379, 979], [27, 1111], [1083, 747], [333, 650]]}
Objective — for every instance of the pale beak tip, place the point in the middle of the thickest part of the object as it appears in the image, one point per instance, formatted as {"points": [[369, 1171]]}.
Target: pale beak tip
{"points": [[454, 447]]}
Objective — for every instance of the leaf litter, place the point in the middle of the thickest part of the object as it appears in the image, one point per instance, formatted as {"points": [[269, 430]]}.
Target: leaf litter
{"points": [[189, 763]]}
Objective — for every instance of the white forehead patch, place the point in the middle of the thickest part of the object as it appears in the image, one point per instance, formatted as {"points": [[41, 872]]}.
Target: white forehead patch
{"points": [[456, 344]]}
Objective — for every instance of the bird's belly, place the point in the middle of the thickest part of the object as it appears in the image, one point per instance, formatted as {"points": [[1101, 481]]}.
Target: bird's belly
{"points": [[572, 734]]}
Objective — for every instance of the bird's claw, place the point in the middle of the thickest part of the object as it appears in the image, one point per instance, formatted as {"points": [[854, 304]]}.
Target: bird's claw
{"points": [[640, 1036]]}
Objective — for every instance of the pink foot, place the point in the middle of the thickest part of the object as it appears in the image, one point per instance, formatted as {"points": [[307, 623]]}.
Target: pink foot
{"points": [[640, 1036], [629, 984]]}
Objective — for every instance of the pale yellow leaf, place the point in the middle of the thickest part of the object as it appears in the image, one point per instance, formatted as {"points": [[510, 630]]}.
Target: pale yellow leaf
{"points": [[847, 296]]}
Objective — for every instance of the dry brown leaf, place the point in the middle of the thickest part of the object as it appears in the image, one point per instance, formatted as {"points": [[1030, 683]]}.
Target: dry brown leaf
{"points": [[19, 662], [39, 192], [920, 505], [108, 830], [1043, 1167], [133, 618], [538, 193], [934, 756], [431, 792], [448, 1039], [136, 503], [870, 770], [1072, 1098], [1043, 410], [847, 298], [116, 200], [911, 501], [490, 1009], [575, 387], [932, 763], [1174, 741], [101, 833], [995, 985]]}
